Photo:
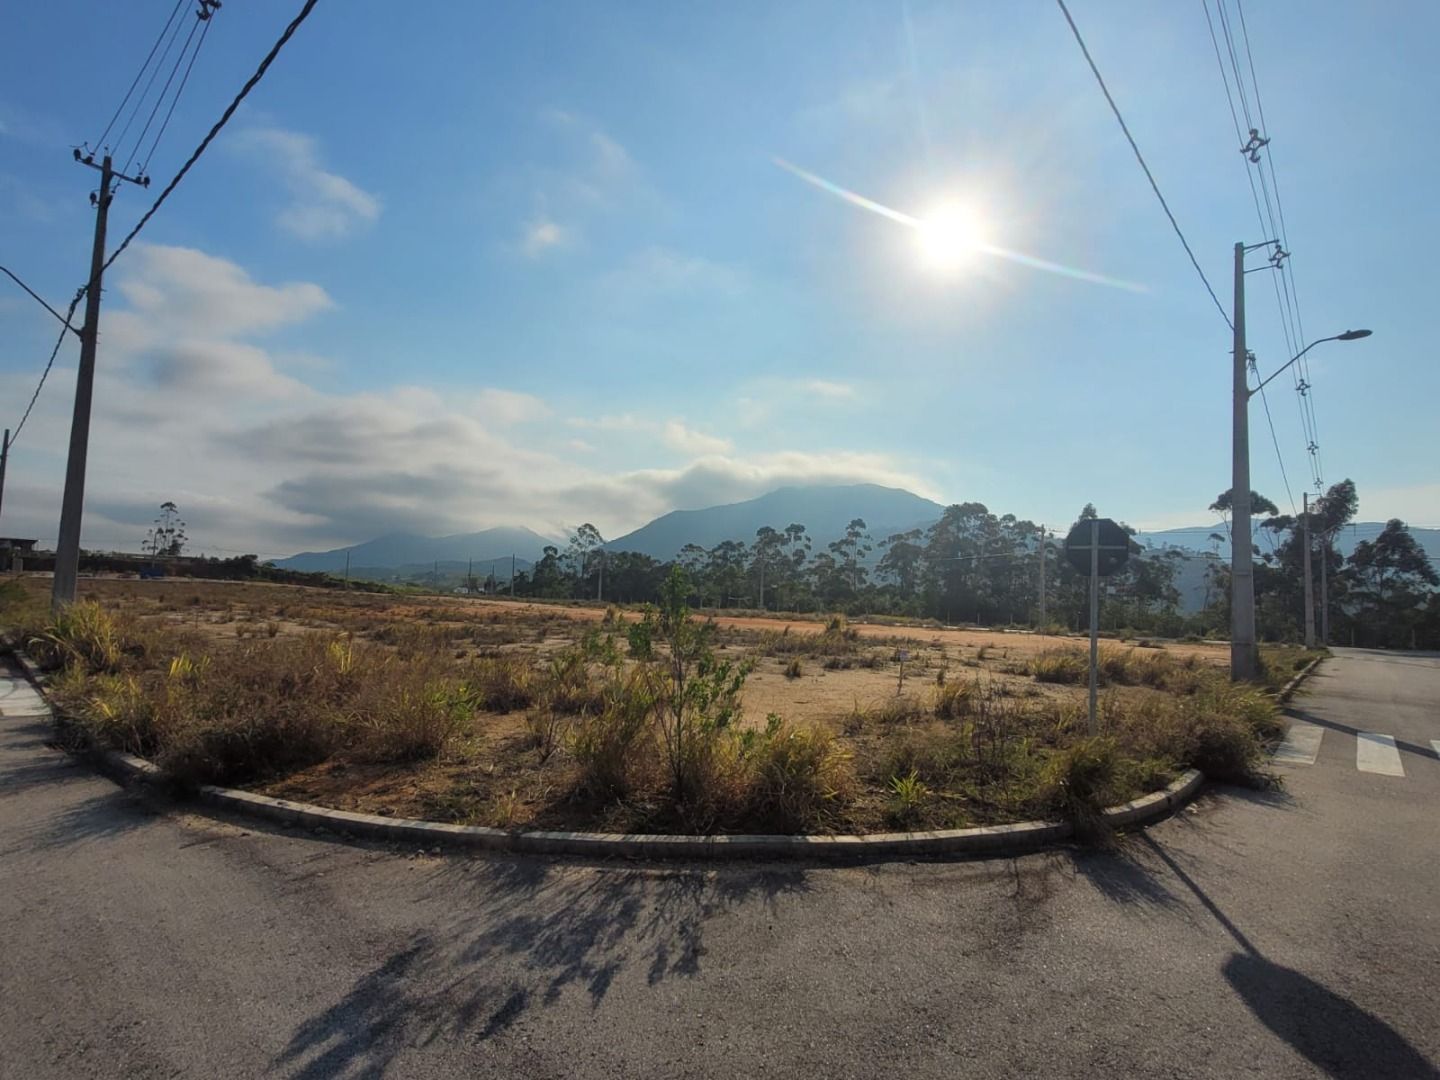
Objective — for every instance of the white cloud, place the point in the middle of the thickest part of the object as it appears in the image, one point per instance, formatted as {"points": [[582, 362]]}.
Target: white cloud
{"points": [[686, 440], [511, 407], [834, 391], [190, 405], [325, 205], [540, 236]]}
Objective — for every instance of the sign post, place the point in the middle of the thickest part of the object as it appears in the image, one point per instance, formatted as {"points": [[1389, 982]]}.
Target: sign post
{"points": [[1097, 547]]}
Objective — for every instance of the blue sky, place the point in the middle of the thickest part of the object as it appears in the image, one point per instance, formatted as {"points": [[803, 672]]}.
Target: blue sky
{"points": [[462, 265]]}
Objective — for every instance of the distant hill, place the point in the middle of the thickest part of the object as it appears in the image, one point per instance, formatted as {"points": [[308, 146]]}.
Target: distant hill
{"points": [[409, 550], [1197, 538], [823, 510]]}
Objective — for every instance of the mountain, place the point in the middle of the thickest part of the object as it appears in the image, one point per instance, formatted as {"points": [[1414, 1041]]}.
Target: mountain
{"points": [[409, 549], [1197, 538], [823, 510]]}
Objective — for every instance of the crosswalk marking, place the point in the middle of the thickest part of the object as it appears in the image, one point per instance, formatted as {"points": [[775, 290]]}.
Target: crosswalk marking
{"points": [[1435, 745], [1301, 745], [1377, 754]]}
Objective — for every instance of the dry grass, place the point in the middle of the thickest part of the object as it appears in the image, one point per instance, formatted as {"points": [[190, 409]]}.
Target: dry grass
{"points": [[533, 716]]}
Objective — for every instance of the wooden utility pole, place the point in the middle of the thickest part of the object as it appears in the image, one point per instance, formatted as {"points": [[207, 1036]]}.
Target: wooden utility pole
{"points": [[347, 568]]}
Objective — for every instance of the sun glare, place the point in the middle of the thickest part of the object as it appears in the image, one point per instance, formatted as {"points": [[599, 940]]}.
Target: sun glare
{"points": [[950, 237]]}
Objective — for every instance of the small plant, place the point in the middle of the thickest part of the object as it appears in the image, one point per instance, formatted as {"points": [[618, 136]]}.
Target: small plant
{"points": [[546, 727], [908, 795], [1060, 666], [952, 701], [793, 670]]}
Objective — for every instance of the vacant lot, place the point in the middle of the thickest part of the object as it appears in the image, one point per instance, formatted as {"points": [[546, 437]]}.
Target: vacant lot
{"points": [[539, 715]]}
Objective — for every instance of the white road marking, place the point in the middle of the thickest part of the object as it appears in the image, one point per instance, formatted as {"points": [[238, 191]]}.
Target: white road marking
{"points": [[1377, 754], [1301, 745], [1435, 743]]}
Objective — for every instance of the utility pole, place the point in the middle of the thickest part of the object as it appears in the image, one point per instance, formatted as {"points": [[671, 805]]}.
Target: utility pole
{"points": [[347, 568], [1325, 591], [1309, 581], [4, 457], [1042, 577], [512, 575], [600, 582], [1244, 660], [67, 547]]}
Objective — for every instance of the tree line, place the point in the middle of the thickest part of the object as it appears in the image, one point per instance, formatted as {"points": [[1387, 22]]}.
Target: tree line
{"points": [[975, 566]]}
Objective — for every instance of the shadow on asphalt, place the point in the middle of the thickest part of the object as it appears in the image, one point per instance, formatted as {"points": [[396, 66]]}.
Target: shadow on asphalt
{"points": [[73, 817], [532, 930], [1400, 744], [1328, 1030]]}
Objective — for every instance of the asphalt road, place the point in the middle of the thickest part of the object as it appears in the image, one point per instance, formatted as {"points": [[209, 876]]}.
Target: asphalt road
{"points": [[1274, 935]]}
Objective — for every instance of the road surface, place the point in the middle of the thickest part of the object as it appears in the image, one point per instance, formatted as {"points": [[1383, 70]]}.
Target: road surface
{"points": [[1276, 935]]}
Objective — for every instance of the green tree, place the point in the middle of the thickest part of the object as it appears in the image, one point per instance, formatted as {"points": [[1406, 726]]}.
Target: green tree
{"points": [[166, 538]]}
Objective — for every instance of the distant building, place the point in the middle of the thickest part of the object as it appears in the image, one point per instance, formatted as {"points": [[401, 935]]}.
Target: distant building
{"points": [[13, 551]]}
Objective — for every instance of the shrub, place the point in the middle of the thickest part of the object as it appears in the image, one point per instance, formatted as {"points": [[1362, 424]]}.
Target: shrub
{"points": [[607, 744], [797, 777], [953, 701], [1081, 780], [1060, 666], [409, 723], [503, 683], [567, 686], [793, 670]]}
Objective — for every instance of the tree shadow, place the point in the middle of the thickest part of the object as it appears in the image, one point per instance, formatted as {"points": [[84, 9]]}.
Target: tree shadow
{"points": [[60, 811], [531, 932]]}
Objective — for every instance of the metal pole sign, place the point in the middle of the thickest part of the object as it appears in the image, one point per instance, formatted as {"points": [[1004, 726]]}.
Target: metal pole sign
{"points": [[1097, 548]]}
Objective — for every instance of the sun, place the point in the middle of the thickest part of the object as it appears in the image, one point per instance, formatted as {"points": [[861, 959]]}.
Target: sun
{"points": [[950, 237]]}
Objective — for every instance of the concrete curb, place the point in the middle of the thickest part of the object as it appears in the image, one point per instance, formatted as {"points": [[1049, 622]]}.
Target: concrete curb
{"points": [[1288, 690], [990, 840]]}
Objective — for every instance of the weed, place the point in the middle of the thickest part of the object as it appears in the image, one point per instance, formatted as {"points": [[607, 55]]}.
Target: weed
{"points": [[797, 777], [908, 795], [793, 669], [1059, 666], [952, 701]]}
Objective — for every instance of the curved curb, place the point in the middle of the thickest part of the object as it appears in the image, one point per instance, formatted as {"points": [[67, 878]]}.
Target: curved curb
{"points": [[1288, 690], [992, 840]]}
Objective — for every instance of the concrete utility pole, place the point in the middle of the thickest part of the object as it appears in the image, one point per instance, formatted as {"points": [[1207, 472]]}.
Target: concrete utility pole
{"points": [[1325, 591], [4, 457], [1042, 577], [1244, 658], [67, 548], [1309, 581]]}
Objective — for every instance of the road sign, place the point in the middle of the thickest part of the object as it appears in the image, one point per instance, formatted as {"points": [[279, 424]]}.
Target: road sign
{"points": [[1113, 541], [1096, 548]]}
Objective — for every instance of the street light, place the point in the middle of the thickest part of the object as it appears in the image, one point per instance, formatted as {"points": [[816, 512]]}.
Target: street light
{"points": [[1244, 656], [1348, 335]]}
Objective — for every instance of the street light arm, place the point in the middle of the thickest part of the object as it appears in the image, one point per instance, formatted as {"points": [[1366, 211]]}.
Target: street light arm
{"points": [[1291, 361]]}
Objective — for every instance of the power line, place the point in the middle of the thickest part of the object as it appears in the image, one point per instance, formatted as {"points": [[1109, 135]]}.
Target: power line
{"points": [[215, 130], [1146, 168], [1291, 300], [100, 142], [35, 296], [140, 101], [48, 365], [179, 90]]}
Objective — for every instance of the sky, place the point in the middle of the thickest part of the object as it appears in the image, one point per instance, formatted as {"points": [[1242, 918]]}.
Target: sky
{"points": [[460, 265]]}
